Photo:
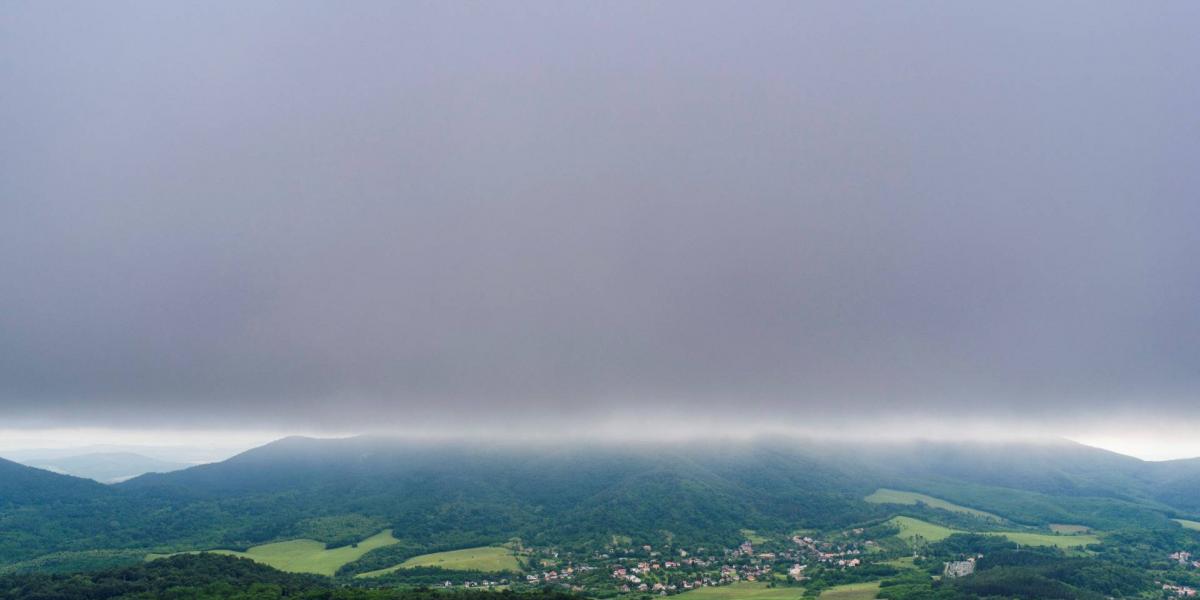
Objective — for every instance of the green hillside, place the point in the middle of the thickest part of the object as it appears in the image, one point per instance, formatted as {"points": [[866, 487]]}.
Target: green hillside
{"points": [[311, 556], [914, 529], [1193, 525], [488, 559], [447, 496], [887, 496]]}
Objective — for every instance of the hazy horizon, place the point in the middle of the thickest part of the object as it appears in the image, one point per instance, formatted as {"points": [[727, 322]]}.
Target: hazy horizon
{"points": [[202, 446], [643, 219]]}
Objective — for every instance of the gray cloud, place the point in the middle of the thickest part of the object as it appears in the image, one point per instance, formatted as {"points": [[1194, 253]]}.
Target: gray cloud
{"points": [[372, 214]]}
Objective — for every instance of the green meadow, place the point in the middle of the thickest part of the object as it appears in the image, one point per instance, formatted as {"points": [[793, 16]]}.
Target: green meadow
{"points": [[1044, 539], [483, 558], [910, 528], [1188, 524], [904, 562], [852, 591], [752, 536], [1068, 529], [745, 590], [308, 556], [887, 496]]}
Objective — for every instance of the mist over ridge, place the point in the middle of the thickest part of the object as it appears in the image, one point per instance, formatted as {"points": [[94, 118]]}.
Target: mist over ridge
{"points": [[436, 217], [537, 300]]}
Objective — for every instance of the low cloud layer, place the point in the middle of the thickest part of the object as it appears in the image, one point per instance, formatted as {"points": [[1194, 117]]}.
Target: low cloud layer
{"points": [[389, 215]]}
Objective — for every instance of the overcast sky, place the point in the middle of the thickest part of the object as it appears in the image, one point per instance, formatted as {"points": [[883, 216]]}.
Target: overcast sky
{"points": [[362, 216]]}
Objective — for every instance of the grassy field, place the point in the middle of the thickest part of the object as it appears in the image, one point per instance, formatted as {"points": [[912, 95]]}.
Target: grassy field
{"points": [[1189, 524], [1042, 539], [911, 528], [1068, 529], [904, 562], [852, 591], [752, 536], [483, 558], [886, 496], [745, 590], [308, 556]]}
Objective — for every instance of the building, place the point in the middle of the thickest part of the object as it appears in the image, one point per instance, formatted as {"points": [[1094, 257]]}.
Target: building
{"points": [[959, 568]]}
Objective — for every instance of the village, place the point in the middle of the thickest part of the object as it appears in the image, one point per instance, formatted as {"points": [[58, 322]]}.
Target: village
{"points": [[645, 569]]}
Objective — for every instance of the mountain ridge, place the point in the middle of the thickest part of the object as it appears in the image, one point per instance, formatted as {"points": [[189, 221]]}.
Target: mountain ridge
{"points": [[478, 492]]}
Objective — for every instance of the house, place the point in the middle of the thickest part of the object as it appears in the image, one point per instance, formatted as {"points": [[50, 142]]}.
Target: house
{"points": [[1179, 590], [959, 568], [797, 572]]}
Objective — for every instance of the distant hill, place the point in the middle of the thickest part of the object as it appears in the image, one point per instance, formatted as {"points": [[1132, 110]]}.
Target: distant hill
{"points": [[105, 467], [23, 485]]}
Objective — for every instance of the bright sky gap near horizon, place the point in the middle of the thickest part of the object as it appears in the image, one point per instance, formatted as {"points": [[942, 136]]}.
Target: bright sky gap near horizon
{"points": [[940, 217]]}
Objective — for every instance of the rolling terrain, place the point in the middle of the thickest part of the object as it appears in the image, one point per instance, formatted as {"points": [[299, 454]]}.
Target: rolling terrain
{"points": [[886, 496], [450, 497]]}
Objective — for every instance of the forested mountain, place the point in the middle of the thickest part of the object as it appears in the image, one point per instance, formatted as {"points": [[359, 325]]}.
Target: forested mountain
{"points": [[495, 491], [447, 495]]}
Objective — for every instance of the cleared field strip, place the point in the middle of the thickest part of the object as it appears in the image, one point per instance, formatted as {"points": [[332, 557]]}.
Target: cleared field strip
{"points": [[1068, 529], [483, 558], [1188, 524], [745, 590], [852, 591], [888, 496], [308, 556], [911, 529]]}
